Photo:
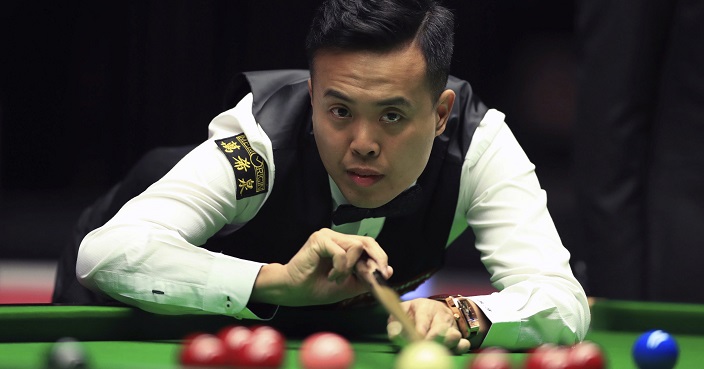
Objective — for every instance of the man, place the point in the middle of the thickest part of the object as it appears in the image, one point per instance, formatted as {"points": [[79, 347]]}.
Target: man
{"points": [[373, 126]]}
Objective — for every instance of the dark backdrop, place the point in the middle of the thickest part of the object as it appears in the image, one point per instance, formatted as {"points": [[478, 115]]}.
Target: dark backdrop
{"points": [[87, 87]]}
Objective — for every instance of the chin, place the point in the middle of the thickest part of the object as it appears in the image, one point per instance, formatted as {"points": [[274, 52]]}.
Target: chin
{"points": [[368, 197], [366, 202]]}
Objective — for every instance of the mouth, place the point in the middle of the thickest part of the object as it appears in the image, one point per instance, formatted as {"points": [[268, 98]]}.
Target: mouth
{"points": [[364, 177]]}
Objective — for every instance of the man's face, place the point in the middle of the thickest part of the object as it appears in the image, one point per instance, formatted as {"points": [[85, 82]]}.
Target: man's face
{"points": [[374, 120]]}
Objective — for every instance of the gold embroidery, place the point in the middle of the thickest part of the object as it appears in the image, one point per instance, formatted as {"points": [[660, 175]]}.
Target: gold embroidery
{"points": [[242, 157], [245, 185], [230, 146], [241, 164], [259, 169], [260, 175]]}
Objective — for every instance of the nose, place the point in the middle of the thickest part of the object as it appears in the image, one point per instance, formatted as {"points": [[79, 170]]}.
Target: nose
{"points": [[365, 140]]}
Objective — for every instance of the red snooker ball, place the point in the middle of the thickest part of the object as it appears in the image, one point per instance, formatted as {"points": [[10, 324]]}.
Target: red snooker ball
{"points": [[235, 339], [548, 356], [585, 355], [266, 348], [536, 355], [202, 349], [557, 359], [491, 358], [326, 350]]}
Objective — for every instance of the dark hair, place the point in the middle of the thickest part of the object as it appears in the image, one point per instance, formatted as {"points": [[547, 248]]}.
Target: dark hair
{"points": [[383, 25]]}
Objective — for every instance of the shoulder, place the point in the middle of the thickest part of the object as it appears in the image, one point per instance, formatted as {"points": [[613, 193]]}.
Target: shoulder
{"points": [[250, 168]]}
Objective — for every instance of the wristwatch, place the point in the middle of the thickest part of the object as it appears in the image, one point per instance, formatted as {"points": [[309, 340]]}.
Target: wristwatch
{"points": [[465, 316]]}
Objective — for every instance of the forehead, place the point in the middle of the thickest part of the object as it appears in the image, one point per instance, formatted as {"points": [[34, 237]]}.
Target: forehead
{"points": [[372, 74]]}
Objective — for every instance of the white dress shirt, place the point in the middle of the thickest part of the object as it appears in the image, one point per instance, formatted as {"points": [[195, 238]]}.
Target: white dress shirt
{"points": [[152, 244]]}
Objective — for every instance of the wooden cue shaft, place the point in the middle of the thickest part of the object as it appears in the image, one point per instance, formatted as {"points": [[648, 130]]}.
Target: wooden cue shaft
{"points": [[387, 297]]}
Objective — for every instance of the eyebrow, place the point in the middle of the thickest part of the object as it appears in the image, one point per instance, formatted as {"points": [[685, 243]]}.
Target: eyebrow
{"points": [[393, 101]]}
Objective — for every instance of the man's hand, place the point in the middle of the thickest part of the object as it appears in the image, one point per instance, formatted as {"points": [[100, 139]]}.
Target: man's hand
{"points": [[321, 272], [434, 321]]}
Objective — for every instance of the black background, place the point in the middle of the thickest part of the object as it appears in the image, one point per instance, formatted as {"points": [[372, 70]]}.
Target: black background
{"points": [[87, 87]]}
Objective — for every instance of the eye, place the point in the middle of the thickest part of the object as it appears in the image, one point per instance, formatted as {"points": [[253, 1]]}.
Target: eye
{"points": [[340, 112], [392, 117]]}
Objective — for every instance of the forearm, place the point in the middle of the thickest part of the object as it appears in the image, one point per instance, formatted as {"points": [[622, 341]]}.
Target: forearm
{"points": [[502, 201], [270, 287], [158, 271], [531, 313]]}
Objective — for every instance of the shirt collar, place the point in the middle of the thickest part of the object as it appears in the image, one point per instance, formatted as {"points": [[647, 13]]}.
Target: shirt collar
{"points": [[337, 197]]}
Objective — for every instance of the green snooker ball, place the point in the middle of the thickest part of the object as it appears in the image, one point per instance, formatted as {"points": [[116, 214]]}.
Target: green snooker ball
{"points": [[424, 355]]}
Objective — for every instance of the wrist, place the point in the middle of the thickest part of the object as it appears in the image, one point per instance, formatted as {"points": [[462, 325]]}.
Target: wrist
{"points": [[269, 286], [464, 312]]}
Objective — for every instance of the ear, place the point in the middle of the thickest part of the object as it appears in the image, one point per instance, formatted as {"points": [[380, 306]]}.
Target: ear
{"points": [[443, 110], [310, 90]]}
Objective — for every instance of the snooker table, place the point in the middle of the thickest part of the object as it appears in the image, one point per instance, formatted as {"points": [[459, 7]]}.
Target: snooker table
{"points": [[123, 337]]}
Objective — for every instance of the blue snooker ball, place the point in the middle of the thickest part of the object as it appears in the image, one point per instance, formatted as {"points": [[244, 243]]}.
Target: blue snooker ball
{"points": [[655, 349]]}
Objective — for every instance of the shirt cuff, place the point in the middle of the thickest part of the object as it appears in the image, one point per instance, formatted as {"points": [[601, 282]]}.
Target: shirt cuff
{"points": [[231, 282], [505, 325]]}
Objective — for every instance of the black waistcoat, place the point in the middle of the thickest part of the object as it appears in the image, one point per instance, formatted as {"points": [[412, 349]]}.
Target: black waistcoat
{"points": [[300, 202]]}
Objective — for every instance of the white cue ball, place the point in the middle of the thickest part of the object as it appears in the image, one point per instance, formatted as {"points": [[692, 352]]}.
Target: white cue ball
{"points": [[424, 355]]}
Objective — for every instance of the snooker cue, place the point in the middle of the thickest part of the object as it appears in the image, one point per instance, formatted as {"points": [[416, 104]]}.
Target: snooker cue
{"points": [[386, 296]]}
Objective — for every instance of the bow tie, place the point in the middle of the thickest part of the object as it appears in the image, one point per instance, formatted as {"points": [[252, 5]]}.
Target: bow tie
{"points": [[405, 203]]}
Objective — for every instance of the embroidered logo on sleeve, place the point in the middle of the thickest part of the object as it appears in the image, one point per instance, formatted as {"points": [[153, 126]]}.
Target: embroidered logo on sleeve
{"points": [[249, 167]]}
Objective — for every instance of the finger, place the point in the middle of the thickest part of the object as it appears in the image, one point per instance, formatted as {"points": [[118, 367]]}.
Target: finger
{"points": [[398, 329], [407, 306], [355, 251], [377, 255], [354, 247], [443, 329], [451, 338], [347, 251], [394, 331], [423, 320], [462, 347], [357, 260], [326, 248]]}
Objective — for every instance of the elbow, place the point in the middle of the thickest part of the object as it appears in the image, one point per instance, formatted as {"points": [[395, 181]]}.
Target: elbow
{"points": [[573, 325], [89, 261], [575, 314], [585, 319], [580, 313]]}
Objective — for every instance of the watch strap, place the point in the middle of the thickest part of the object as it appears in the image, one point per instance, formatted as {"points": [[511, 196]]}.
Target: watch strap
{"points": [[464, 313], [465, 306], [459, 316]]}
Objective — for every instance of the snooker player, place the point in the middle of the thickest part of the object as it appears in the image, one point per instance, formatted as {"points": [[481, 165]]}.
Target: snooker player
{"points": [[248, 220]]}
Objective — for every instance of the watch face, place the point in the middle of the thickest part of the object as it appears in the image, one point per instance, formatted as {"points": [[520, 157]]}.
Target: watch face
{"points": [[474, 325], [469, 314]]}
